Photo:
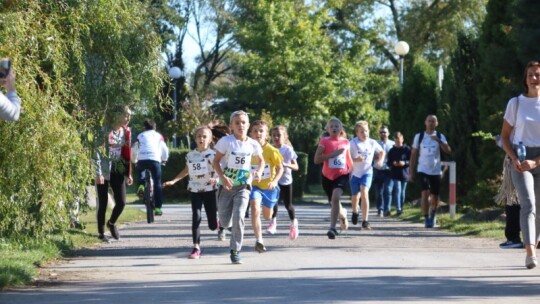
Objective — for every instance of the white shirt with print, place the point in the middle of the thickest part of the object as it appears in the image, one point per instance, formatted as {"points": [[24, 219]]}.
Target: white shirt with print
{"points": [[429, 150], [236, 162], [367, 149], [200, 170]]}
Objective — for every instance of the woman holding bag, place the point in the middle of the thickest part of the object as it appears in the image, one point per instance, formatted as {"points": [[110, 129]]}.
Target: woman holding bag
{"points": [[522, 124]]}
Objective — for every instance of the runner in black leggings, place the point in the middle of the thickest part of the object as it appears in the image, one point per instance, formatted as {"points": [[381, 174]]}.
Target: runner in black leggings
{"points": [[280, 138]]}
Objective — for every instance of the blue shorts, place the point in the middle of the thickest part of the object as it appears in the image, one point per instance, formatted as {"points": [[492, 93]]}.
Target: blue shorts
{"points": [[356, 182], [268, 198]]}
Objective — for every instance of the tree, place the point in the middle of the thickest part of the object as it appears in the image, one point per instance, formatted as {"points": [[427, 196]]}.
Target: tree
{"points": [[459, 117], [290, 66], [419, 98], [73, 61], [498, 71]]}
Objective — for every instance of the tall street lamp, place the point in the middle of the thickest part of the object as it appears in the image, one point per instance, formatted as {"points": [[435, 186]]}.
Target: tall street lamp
{"points": [[175, 73], [402, 49]]}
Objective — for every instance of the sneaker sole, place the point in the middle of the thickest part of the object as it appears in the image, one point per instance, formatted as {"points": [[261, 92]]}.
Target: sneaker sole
{"points": [[331, 235], [260, 249]]}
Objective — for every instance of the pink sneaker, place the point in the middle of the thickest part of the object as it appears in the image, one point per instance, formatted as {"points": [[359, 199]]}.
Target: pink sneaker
{"points": [[272, 228], [293, 232], [195, 254]]}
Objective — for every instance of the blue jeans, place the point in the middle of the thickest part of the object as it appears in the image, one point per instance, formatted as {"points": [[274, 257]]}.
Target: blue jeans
{"points": [[383, 188], [397, 193], [155, 169]]}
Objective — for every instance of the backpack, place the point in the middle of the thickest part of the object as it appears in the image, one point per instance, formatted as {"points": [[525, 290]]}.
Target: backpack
{"points": [[443, 156]]}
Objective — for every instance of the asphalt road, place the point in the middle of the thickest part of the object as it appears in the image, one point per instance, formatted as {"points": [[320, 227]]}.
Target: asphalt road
{"points": [[397, 261]]}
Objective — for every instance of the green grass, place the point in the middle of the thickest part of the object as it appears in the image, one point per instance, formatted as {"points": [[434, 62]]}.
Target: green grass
{"points": [[468, 224], [19, 261]]}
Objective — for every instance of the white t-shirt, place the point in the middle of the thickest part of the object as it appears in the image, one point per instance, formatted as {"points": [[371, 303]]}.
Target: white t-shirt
{"points": [[236, 162], [10, 106], [201, 170], [367, 148], [429, 159], [527, 127], [152, 146], [288, 156], [386, 146]]}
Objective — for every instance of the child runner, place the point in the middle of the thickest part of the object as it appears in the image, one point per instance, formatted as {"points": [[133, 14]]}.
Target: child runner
{"points": [[266, 191], [333, 153], [363, 149], [281, 141], [233, 166], [202, 186]]}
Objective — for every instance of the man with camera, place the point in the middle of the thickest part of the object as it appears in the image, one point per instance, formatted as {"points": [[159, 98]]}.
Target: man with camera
{"points": [[10, 105]]}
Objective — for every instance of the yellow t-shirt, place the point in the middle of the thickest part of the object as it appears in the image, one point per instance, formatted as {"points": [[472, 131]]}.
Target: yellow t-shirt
{"points": [[272, 159]]}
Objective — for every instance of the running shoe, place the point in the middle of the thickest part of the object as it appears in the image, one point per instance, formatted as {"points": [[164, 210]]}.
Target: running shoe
{"points": [[344, 223], [158, 212], [354, 218], [272, 227], [140, 191], [531, 262], [113, 230], [387, 213], [259, 247], [428, 223], [293, 231], [380, 213], [235, 257], [366, 225], [332, 233], [195, 253], [221, 234], [399, 212], [103, 238], [510, 244]]}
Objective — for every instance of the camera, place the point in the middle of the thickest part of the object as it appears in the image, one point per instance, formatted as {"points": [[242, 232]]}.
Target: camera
{"points": [[5, 67]]}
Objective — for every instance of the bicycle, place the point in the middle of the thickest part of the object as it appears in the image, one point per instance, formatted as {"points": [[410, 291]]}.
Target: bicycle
{"points": [[148, 197]]}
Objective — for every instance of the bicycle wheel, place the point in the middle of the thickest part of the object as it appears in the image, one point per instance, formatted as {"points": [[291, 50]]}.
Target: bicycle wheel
{"points": [[148, 201]]}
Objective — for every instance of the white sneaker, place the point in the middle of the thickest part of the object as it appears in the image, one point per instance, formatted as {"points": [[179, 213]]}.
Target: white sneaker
{"points": [[293, 232], [344, 223], [272, 227]]}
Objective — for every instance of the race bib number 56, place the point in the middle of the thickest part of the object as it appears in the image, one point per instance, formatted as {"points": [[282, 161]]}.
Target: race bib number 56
{"points": [[239, 161]]}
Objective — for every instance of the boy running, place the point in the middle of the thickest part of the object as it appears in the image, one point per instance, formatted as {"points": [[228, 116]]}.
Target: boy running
{"points": [[363, 149], [233, 166]]}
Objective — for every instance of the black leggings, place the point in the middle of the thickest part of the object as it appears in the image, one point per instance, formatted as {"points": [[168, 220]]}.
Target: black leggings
{"points": [[118, 185], [285, 195], [210, 207], [512, 229]]}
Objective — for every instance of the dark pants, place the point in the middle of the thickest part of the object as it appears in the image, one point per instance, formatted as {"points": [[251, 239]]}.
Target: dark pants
{"points": [[512, 229], [208, 199], [382, 184], [118, 185], [155, 169], [285, 195]]}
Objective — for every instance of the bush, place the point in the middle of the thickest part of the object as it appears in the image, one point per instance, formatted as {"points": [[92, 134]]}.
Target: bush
{"points": [[300, 176]]}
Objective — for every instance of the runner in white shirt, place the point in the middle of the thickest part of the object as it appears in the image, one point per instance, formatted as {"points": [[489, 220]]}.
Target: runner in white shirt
{"points": [[202, 186], [149, 151]]}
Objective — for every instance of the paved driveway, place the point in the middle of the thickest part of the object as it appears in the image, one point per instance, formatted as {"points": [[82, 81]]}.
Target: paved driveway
{"points": [[396, 261]]}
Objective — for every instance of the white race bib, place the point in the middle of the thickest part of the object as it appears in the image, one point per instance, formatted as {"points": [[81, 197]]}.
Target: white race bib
{"points": [[198, 167], [239, 161], [266, 171], [337, 162]]}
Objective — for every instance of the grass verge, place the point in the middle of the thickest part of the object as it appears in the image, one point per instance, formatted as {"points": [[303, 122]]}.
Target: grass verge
{"points": [[470, 224], [20, 261]]}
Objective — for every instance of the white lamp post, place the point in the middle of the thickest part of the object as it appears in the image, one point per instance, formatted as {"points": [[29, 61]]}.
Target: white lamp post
{"points": [[175, 73], [402, 49]]}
